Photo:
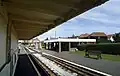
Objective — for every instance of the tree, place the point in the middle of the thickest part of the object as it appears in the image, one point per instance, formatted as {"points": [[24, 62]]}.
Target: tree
{"points": [[46, 38], [116, 37], [73, 35]]}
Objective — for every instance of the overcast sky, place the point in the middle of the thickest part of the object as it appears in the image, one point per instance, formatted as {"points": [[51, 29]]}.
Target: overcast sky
{"points": [[104, 18]]}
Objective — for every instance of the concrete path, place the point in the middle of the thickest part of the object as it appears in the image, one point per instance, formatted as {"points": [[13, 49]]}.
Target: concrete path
{"points": [[24, 67], [110, 67]]}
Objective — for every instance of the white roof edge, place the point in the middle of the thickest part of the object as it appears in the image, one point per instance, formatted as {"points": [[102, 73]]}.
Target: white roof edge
{"points": [[71, 40]]}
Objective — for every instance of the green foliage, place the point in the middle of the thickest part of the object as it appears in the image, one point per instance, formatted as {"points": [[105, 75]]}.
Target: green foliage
{"points": [[111, 57], [73, 35], [116, 37], [83, 47], [104, 56], [109, 48], [103, 41]]}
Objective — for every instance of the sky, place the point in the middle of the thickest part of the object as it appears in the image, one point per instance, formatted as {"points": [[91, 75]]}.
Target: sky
{"points": [[104, 18]]}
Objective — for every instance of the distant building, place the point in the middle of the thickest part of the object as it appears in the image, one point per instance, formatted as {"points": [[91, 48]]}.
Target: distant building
{"points": [[35, 43], [98, 35], [52, 38], [110, 37], [62, 44], [84, 36], [74, 37], [116, 37]]}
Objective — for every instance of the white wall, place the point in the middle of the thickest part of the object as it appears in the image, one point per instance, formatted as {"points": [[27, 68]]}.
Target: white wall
{"points": [[14, 40], [3, 32], [2, 41], [5, 71], [3, 27], [14, 43]]}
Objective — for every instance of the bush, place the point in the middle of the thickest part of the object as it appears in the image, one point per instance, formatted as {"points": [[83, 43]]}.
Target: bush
{"points": [[108, 48], [81, 47], [103, 41]]}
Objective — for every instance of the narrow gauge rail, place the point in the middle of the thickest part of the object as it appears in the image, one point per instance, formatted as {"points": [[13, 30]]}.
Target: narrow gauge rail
{"points": [[73, 68], [81, 71], [41, 67]]}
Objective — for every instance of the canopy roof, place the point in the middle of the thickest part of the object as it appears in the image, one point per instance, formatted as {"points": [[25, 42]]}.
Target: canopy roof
{"points": [[70, 40], [34, 17]]}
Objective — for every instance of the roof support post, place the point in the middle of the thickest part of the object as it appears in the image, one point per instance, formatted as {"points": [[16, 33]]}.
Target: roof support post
{"points": [[8, 41], [52, 45], [39, 45], [69, 45], [8, 45], [59, 46], [48, 45], [45, 45], [36, 45]]}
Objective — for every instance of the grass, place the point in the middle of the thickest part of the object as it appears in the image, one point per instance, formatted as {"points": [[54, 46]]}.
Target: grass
{"points": [[104, 56], [81, 53], [111, 57]]}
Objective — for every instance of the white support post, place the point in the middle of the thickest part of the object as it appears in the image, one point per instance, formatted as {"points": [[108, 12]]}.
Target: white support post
{"points": [[59, 46], [69, 46], [47, 45], [40, 47], [36, 45], [50, 45]]}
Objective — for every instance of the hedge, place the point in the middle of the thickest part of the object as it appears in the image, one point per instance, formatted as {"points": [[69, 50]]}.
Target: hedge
{"points": [[108, 48], [103, 41]]}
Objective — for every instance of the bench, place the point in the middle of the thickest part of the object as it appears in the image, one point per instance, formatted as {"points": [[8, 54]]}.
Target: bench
{"points": [[73, 49], [93, 52]]}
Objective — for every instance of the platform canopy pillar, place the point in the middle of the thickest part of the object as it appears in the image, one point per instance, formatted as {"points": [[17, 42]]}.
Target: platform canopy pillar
{"points": [[69, 45], [48, 45], [59, 46], [39, 45], [52, 45]]}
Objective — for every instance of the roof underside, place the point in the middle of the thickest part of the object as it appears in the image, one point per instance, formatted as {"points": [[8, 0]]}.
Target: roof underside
{"points": [[34, 17]]}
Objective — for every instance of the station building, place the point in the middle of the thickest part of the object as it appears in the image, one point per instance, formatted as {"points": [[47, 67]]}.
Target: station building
{"points": [[60, 45]]}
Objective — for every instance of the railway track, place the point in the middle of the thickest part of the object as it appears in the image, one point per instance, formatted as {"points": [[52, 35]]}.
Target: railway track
{"points": [[71, 67], [80, 71], [41, 67], [48, 71]]}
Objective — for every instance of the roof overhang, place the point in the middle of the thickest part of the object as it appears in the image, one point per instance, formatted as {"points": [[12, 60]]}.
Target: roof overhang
{"points": [[34, 17], [70, 40]]}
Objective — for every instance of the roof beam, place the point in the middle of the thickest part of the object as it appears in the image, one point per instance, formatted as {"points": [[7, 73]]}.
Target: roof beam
{"points": [[41, 3], [27, 7], [27, 19], [26, 24], [29, 27], [28, 35], [31, 14], [26, 30], [31, 21]]}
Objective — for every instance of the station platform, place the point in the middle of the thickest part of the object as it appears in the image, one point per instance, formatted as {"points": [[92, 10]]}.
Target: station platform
{"points": [[27, 67], [24, 67], [106, 66]]}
